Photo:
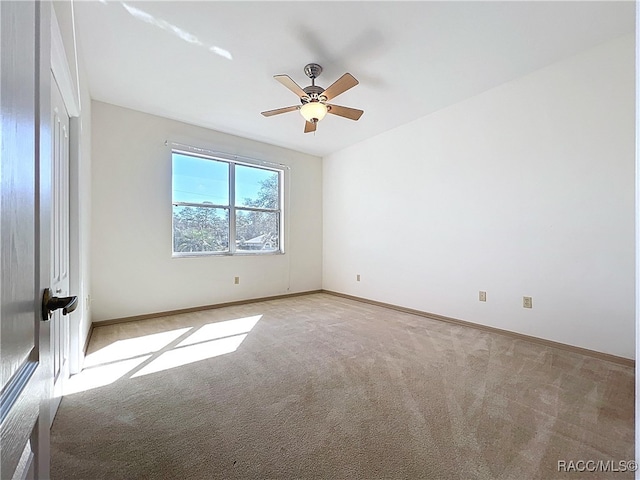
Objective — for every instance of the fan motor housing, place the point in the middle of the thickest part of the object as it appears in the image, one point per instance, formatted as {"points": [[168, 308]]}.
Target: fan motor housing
{"points": [[313, 90]]}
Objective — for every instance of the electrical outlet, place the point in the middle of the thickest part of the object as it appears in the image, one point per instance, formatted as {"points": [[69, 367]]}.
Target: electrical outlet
{"points": [[527, 302], [482, 296], [236, 280], [357, 277]]}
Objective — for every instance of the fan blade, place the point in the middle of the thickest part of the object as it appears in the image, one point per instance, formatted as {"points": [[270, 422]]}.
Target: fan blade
{"points": [[344, 83], [346, 112], [291, 85], [309, 127], [278, 111]]}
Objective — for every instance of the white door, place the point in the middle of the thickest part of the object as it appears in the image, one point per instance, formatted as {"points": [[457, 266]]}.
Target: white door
{"points": [[59, 242], [25, 373]]}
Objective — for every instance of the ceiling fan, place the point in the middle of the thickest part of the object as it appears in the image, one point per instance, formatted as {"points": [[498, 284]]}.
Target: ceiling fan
{"points": [[314, 99]]}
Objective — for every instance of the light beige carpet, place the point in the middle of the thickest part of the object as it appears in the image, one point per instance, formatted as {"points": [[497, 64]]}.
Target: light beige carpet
{"points": [[322, 387]]}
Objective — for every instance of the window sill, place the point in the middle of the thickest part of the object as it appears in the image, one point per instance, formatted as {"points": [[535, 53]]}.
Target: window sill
{"points": [[224, 254]]}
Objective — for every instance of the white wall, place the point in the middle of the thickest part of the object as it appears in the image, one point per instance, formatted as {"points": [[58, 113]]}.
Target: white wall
{"points": [[526, 189], [133, 271]]}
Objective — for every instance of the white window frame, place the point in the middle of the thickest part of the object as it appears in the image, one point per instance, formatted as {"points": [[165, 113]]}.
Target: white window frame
{"points": [[232, 161]]}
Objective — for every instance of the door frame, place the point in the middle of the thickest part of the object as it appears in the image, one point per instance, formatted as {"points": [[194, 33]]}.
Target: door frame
{"points": [[69, 91]]}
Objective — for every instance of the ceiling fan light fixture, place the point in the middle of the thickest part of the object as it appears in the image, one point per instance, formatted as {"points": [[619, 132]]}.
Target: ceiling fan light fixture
{"points": [[314, 98], [313, 111]]}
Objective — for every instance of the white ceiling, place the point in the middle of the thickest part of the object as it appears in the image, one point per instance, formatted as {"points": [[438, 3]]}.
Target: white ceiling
{"points": [[211, 63]]}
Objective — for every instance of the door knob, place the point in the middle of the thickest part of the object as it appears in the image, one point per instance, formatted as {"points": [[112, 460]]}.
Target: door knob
{"points": [[51, 303]]}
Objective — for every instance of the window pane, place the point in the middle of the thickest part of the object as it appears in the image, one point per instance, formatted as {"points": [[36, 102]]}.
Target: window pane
{"points": [[200, 229], [256, 187], [200, 180], [257, 231]]}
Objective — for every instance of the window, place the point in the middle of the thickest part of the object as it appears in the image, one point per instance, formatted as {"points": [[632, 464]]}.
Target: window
{"points": [[225, 207]]}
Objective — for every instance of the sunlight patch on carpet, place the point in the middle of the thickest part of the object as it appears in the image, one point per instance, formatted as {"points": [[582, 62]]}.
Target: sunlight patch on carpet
{"points": [[133, 347], [191, 353], [102, 375], [156, 352], [228, 328]]}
